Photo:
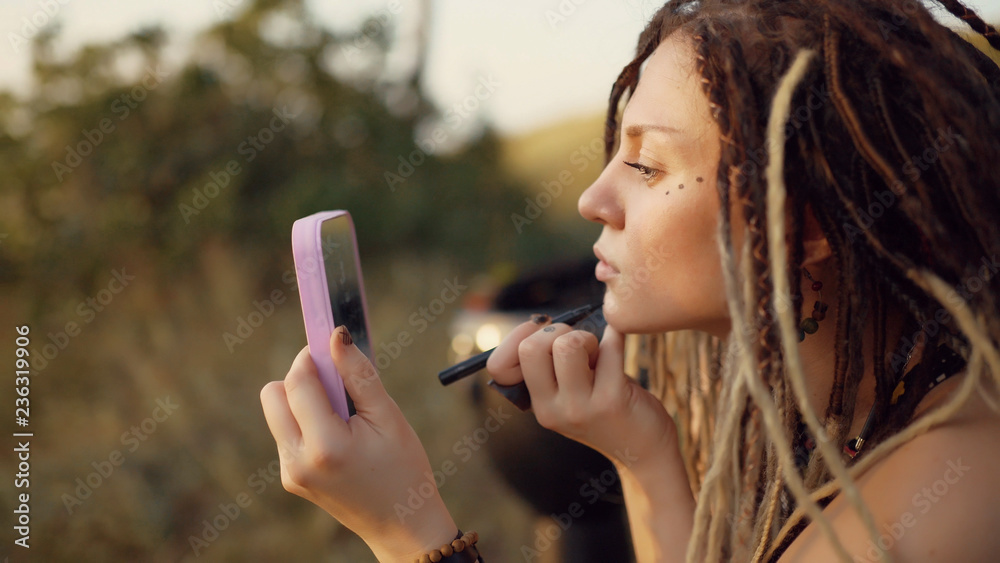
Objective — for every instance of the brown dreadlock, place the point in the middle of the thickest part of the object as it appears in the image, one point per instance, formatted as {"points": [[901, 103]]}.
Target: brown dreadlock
{"points": [[893, 145]]}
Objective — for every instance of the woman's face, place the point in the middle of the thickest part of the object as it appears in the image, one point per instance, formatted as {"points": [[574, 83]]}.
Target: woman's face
{"points": [[658, 250]]}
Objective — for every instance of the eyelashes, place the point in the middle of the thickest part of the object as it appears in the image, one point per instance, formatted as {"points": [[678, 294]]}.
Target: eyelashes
{"points": [[648, 174]]}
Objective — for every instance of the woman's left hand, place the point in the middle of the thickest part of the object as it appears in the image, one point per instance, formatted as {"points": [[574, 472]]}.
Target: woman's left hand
{"points": [[369, 472]]}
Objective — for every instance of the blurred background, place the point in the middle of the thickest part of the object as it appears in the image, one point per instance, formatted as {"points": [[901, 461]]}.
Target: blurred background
{"points": [[153, 159]]}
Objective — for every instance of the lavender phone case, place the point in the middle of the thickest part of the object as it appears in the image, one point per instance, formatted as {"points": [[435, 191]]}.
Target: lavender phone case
{"points": [[314, 293]]}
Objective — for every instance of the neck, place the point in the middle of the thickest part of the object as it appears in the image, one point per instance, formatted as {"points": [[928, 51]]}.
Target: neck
{"points": [[818, 352]]}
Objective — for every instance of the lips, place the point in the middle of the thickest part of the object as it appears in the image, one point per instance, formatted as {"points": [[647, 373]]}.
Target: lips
{"points": [[604, 269]]}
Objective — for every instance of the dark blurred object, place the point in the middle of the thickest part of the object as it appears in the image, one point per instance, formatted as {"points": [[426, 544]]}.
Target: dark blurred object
{"points": [[557, 287], [560, 478], [552, 473]]}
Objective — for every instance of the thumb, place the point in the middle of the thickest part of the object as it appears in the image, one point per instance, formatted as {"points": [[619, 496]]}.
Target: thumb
{"points": [[360, 378], [611, 359]]}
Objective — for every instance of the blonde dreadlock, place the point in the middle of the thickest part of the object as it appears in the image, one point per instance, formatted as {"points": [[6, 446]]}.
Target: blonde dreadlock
{"points": [[737, 402]]}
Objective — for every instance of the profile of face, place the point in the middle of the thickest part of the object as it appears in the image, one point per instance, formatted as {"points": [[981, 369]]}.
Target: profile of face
{"points": [[658, 204]]}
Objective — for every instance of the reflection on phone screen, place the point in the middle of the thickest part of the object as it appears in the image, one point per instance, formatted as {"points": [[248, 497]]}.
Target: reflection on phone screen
{"points": [[343, 282]]}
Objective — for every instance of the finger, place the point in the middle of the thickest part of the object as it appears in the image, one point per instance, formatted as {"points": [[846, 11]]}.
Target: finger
{"points": [[535, 353], [610, 368], [361, 380], [280, 420], [504, 363], [308, 401], [517, 393], [574, 355]]}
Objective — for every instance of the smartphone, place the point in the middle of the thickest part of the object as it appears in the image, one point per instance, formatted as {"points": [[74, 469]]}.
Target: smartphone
{"points": [[332, 292]]}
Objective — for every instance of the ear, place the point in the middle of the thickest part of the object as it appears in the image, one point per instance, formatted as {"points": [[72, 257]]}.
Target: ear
{"points": [[815, 246]]}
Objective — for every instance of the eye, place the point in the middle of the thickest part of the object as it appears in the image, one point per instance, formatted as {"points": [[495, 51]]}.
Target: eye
{"points": [[647, 173]]}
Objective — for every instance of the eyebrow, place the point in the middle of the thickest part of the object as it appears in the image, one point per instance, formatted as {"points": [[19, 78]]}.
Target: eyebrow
{"points": [[639, 130]]}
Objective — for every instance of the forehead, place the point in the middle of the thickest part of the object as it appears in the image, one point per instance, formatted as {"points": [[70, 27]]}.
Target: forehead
{"points": [[669, 92]]}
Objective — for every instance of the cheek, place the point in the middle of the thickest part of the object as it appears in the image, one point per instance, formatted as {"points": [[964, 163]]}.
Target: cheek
{"points": [[682, 229], [674, 261]]}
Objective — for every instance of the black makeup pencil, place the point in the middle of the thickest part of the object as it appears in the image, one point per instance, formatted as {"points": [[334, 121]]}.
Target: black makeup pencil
{"points": [[478, 362]]}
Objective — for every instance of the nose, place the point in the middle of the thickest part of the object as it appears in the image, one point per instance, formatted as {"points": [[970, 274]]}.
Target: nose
{"points": [[601, 202]]}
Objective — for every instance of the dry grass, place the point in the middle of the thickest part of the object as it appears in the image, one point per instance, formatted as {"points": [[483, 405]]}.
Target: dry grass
{"points": [[163, 337]]}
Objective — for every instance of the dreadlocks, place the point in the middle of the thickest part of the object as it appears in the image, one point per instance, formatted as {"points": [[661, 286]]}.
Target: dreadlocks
{"points": [[892, 143]]}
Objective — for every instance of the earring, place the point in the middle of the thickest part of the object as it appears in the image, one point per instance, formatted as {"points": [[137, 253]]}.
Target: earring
{"points": [[810, 324], [853, 446]]}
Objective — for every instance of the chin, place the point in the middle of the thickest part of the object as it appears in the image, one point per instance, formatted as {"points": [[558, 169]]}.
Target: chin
{"points": [[633, 317]]}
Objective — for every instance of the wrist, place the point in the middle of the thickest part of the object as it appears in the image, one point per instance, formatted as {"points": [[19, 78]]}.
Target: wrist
{"points": [[664, 485], [411, 543], [659, 503], [653, 466]]}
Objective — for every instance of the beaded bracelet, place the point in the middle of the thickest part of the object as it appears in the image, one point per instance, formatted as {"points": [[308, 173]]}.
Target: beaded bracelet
{"points": [[461, 550]]}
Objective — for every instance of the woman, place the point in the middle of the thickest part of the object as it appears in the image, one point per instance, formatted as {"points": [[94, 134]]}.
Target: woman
{"points": [[800, 215]]}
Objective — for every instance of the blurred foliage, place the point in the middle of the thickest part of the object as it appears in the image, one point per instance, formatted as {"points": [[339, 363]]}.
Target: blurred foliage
{"points": [[167, 133], [109, 167]]}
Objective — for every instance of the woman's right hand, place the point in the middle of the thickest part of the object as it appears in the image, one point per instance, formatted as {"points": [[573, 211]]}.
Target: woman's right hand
{"points": [[579, 389], [369, 472]]}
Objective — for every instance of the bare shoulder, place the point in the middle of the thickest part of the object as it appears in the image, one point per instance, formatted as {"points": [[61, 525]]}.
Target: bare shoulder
{"points": [[934, 498]]}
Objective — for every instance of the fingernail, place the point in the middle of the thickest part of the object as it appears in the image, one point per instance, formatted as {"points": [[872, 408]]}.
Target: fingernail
{"points": [[517, 393], [540, 318], [345, 336]]}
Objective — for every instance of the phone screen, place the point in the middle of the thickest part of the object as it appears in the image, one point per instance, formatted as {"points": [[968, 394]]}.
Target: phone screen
{"points": [[344, 283], [342, 279]]}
